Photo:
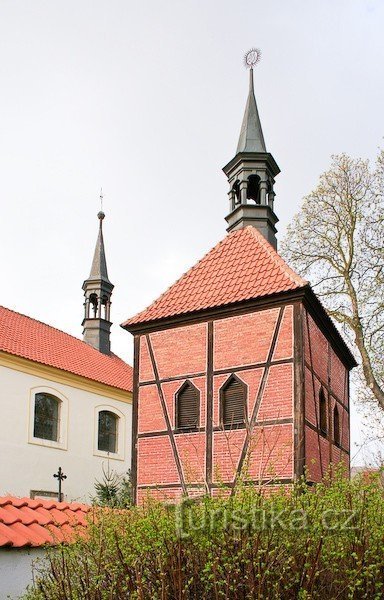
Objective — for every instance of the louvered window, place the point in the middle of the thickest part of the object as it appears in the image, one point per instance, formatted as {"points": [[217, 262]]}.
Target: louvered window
{"points": [[336, 426], [323, 412], [187, 407], [233, 403]]}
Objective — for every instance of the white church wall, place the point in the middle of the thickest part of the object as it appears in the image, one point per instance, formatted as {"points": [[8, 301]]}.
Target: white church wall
{"points": [[29, 464], [16, 567]]}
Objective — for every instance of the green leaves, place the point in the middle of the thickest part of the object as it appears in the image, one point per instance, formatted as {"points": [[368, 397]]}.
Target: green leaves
{"points": [[308, 543]]}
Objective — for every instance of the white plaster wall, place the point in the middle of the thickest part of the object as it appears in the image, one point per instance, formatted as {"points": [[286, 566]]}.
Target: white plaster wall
{"points": [[16, 571], [26, 466]]}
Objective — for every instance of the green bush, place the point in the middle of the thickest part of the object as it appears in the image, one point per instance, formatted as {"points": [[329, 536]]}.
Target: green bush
{"points": [[319, 542]]}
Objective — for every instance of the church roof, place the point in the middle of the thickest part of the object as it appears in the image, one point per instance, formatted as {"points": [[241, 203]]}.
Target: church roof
{"points": [[243, 266], [33, 523], [27, 338]]}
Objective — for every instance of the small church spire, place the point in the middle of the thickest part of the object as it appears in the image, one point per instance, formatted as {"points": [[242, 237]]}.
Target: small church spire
{"points": [[98, 291], [251, 135], [99, 263], [252, 171]]}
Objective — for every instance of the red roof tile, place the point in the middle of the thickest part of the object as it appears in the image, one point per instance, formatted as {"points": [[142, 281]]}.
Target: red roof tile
{"points": [[25, 337], [243, 266], [25, 522]]}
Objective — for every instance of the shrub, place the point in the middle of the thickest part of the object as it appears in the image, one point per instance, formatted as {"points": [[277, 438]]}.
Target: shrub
{"points": [[320, 542]]}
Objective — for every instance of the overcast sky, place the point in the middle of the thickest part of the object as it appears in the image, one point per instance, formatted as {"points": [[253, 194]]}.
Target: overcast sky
{"points": [[146, 99]]}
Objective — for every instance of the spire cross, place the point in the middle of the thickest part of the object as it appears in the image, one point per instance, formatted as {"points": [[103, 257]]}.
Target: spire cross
{"points": [[101, 199]]}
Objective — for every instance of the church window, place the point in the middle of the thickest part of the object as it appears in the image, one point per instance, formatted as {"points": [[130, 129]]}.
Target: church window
{"points": [[187, 407], [336, 426], [46, 417], [323, 411], [107, 431], [233, 403]]}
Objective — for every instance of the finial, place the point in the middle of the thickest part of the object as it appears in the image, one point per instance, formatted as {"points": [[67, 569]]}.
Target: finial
{"points": [[101, 215], [252, 57]]}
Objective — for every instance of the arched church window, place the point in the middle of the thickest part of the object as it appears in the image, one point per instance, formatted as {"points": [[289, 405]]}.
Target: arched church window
{"points": [[336, 426], [107, 431], [233, 403], [253, 188], [187, 407], [236, 191], [323, 411], [46, 417]]}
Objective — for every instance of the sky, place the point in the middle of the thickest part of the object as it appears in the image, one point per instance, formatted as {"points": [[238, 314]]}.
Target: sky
{"points": [[145, 99]]}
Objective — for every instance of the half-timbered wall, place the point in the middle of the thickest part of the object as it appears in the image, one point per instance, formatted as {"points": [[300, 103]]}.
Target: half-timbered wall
{"points": [[258, 348], [323, 369]]}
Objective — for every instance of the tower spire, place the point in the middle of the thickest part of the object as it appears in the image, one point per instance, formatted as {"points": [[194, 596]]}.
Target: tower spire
{"points": [[98, 291], [252, 171], [99, 263], [251, 134]]}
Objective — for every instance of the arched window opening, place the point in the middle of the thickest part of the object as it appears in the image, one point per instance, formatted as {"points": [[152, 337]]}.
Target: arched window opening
{"points": [[336, 426], [107, 432], [253, 188], [323, 411], [105, 305], [233, 402], [94, 303], [46, 417], [236, 191], [187, 407]]}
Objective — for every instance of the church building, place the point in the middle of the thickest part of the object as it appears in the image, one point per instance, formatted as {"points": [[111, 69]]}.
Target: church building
{"points": [[64, 402], [239, 373]]}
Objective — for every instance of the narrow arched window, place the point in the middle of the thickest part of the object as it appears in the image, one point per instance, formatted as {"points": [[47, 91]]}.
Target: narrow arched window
{"points": [[233, 402], [336, 426], [107, 432], [46, 417], [253, 188], [187, 407], [323, 411]]}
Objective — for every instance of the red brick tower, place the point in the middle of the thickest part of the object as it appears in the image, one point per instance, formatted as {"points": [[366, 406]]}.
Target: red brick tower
{"points": [[238, 370]]}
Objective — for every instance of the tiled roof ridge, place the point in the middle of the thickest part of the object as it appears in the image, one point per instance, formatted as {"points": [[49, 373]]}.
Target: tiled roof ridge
{"points": [[20, 314], [25, 522], [279, 260], [154, 303], [85, 360], [230, 243]]}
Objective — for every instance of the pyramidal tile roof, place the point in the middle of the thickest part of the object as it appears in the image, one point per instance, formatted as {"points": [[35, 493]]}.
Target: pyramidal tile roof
{"points": [[33, 523], [243, 266], [27, 338]]}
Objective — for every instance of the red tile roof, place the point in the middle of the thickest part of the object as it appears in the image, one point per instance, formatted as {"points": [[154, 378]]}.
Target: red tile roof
{"points": [[243, 266], [25, 337], [25, 522]]}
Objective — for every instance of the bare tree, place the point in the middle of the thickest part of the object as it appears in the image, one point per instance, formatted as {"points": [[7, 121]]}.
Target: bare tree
{"points": [[336, 241]]}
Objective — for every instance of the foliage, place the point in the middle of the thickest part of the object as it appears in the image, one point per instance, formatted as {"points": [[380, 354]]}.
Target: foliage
{"points": [[337, 242], [306, 543], [114, 490]]}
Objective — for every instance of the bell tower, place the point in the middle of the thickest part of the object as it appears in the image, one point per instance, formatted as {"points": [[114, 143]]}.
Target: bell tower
{"points": [[98, 291], [252, 171]]}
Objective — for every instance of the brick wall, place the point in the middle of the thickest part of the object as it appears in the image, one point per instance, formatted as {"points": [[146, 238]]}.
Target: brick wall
{"points": [[240, 345], [323, 369]]}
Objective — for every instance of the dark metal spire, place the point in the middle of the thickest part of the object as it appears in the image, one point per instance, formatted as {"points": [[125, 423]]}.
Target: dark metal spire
{"points": [[99, 263], [251, 135]]}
